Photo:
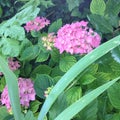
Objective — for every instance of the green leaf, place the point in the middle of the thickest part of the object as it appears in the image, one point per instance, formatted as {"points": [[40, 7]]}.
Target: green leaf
{"points": [[101, 78], [66, 63], [29, 53], [55, 56], [89, 112], [27, 68], [87, 79], [55, 26], [26, 14], [59, 105], [97, 7], [43, 56], [29, 116], [47, 3], [73, 94], [100, 23], [56, 71], [116, 116], [75, 70], [41, 69], [114, 95], [34, 106], [10, 47], [72, 4], [4, 115], [16, 32], [76, 12], [12, 84], [115, 66], [116, 54], [42, 82], [1, 11], [76, 107], [92, 69], [112, 7]]}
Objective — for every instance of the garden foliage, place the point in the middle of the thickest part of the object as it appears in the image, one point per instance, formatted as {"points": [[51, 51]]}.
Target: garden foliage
{"points": [[59, 59]]}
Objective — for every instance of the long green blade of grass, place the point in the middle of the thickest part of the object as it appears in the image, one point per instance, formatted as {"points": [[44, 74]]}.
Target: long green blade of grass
{"points": [[76, 107], [76, 69], [12, 85]]}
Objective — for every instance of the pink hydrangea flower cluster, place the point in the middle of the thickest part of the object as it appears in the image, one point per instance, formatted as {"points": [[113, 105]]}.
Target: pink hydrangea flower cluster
{"points": [[77, 38], [37, 24], [48, 41], [13, 64], [26, 93]]}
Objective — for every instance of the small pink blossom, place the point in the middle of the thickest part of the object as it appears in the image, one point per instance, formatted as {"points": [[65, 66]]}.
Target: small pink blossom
{"points": [[26, 93], [13, 64], [76, 38], [37, 24]]}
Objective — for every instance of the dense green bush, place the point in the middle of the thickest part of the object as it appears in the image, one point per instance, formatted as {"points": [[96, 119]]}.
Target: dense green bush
{"points": [[68, 85]]}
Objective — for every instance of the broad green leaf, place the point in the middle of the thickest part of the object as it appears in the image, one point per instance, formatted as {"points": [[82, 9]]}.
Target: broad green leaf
{"points": [[35, 33], [56, 72], [115, 66], [43, 56], [74, 71], [112, 7], [29, 53], [76, 12], [76, 107], [26, 69], [98, 7], [104, 63], [4, 115], [101, 78], [10, 47], [116, 116], [89, 112], [113, 20], [87, 79], [72, 4], [16, 32], [12, 84], [116, 54], [55, 55], [47, 3], [41, 69], [66, 63], [42, 82], [73, 94], [55, 26], [29, 116], [59, 105], [100, 23], [26, 14], [92, 69], [114, 95], [34, 106]]}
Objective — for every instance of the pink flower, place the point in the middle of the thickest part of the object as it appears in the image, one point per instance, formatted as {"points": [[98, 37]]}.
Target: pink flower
{"points": [[48, 41], [13, 64], [37, 24], [76, 38], [26, 93]]}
